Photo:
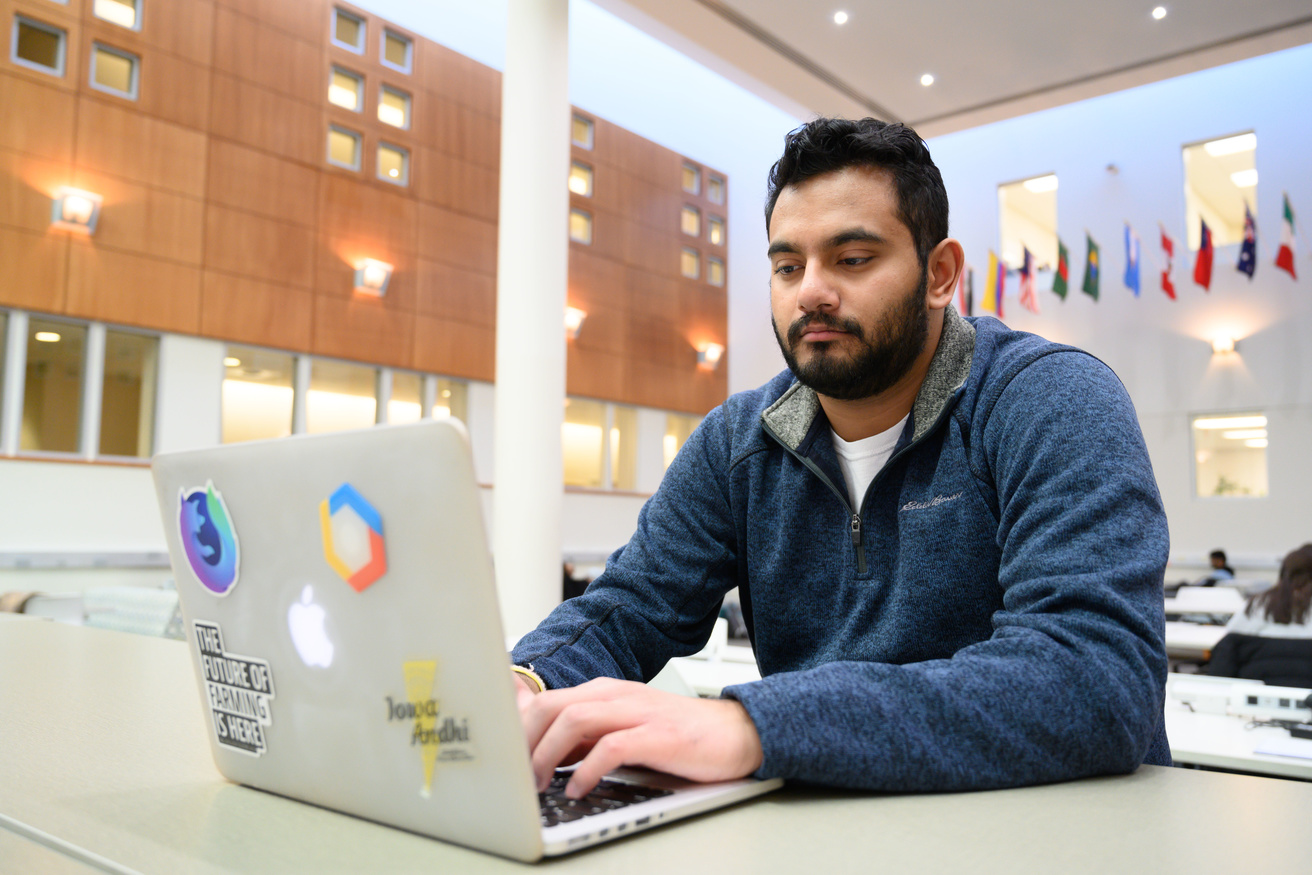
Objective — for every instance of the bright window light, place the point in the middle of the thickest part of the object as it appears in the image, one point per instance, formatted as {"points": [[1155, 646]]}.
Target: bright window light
{"points": [[1230, 422], [1040, 184], [1231, 145], [1244, 178]]}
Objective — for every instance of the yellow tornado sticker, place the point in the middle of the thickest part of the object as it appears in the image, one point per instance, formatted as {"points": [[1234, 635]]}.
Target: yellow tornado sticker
{"points": [[439, 737]]}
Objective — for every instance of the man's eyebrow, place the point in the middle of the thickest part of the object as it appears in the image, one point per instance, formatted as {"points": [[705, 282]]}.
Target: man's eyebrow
{"points": [[779, 247], [855, 235]]}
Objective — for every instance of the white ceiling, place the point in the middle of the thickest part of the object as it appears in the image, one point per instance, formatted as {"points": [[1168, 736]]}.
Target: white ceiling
{"points": [[990, 60]]}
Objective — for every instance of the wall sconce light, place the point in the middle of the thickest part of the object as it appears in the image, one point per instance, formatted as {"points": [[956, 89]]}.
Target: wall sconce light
{"points": [[1223, 345], [75, 210], [372, 277], [573, 321], [708, 355]]}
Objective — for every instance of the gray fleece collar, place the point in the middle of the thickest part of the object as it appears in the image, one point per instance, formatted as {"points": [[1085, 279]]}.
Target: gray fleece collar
{"points": [[791, 416]]}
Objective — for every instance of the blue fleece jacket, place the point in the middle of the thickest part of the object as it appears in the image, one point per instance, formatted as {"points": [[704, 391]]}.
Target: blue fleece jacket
{"points": [[992, 616]]}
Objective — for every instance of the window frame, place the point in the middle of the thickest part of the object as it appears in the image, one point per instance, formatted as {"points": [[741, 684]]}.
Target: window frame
{"points": [[357, 49], [96, 48], [334, 71], [58, 32], [696, 189], [409, 51], [359, 151], [404, 179], [383, 89], [136, 14], [697, 260], [592, 132], [591, 177], [710, 274], [591, 230]]}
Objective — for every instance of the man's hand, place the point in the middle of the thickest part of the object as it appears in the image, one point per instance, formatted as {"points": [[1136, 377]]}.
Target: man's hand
{"points": [[614, 723]]}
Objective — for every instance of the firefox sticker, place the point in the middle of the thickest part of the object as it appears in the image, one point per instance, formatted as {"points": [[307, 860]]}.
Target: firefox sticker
{"points": [[208, 538]]}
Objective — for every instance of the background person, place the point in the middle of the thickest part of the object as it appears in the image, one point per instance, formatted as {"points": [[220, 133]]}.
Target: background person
{"points": [[1271, 639]]}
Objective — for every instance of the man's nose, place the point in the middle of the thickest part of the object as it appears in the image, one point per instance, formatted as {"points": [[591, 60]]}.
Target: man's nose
{"points": [[817, 291]]}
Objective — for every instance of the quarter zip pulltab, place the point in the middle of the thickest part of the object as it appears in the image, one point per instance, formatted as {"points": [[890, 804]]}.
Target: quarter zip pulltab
{"points": [[856, 543]]}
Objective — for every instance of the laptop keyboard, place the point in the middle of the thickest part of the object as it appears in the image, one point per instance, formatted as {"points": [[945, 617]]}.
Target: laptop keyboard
{"points": [[609, 795]]}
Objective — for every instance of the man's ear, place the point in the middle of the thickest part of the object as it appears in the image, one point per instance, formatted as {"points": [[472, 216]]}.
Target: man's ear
{"points": [[946, 261]]}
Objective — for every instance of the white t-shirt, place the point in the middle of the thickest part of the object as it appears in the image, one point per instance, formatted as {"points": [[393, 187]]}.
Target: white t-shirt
{"points": [[1258, 624], [861, 460]]}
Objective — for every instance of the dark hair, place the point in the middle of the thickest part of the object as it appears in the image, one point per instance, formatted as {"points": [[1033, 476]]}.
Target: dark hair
{"points": [[827, 145], [1217, 554], [1289, 599]]}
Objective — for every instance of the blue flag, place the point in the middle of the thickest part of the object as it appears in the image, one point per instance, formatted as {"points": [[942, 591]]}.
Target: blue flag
{"points": [[1131, 260], [1248, 251]]}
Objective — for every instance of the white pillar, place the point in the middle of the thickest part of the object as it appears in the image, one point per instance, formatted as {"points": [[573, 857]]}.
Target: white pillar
{"points": [[13, 373], [532, 272]]}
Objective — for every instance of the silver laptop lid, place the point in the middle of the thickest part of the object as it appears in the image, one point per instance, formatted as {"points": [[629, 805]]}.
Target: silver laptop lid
{"points": [[338, 597]]}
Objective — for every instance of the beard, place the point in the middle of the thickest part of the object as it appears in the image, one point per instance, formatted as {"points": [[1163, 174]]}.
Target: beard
{"points": [[886, 352]]}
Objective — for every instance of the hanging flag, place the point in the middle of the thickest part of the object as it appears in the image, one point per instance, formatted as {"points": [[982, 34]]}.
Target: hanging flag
{"points": [[992, 293], [1203, 261], [1248, 249], [1168, 247], [1091, 269], [1028, 299], [1002, 284], [1285, 257], [966, 290], [1061, 276], [1132, 248]]}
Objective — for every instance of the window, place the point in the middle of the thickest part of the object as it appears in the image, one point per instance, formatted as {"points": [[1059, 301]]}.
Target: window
{"points": [[581, 132], [127, 405], [1027, 219], [348, 31], [1220, 177], [715, 188], [393, 164], [452, 400], [580, 179], [38, 46], [346, 89], [690, 263], [580, 226], [124, 13], [114, 71], [406, 401], [623, 448], [342, 396], [394, 107], [715, 230], [690, 221], [1230, 455], [678, 428], [580, 436], [52, 386], [257, 394], [343, 148], [714, 271], [692, 178], [396, 51]]}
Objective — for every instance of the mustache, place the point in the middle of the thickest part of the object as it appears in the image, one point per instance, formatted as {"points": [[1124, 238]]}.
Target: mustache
{"points": [[826, 320]]}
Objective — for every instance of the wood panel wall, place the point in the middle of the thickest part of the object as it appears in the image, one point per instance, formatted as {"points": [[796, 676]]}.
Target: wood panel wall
{"points": [[222, 217]]}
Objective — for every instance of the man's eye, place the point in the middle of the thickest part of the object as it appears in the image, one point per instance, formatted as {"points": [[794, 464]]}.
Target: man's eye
{"points": [[855, 260], [786, 269]]}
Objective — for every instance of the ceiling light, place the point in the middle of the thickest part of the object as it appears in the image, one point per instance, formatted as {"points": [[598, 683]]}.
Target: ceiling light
{"points": [[1231, 422], [1041, 184], [1244, 178], [1244, 434], [1231, 145], [927, 80], [232, 362], [1223, 345], [840, 17], [1257, 443], [47, 336], [1159, 13]]}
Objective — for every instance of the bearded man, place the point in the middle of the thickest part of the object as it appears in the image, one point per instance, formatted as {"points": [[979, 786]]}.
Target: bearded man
{"points": [[946, 535]]}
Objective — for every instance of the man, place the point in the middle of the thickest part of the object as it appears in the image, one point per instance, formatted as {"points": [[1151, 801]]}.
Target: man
{"points": [[946, 535]]}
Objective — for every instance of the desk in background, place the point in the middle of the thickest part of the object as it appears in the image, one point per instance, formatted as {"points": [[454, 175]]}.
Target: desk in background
{"points": [[103, 745]]}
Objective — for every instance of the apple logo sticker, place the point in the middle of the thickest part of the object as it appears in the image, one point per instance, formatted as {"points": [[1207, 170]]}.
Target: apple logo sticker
{"points": [[305, 621]]}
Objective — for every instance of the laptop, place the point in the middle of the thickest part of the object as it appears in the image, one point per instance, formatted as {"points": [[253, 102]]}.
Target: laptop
{"points": [[340, 610]]}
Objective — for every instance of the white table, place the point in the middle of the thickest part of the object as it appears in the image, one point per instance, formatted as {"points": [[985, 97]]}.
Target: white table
{"points": [[1191, 640], [103, 746]]}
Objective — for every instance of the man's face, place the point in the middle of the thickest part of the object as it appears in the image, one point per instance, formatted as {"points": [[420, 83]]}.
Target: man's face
{"points": [[847, 291]]}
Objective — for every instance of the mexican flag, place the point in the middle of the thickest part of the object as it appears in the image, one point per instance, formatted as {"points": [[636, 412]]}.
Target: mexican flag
{"points": [[1285, 257]]}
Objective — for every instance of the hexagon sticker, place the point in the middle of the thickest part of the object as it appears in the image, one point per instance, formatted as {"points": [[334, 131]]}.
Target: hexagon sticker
{"points": [[353, 537]]}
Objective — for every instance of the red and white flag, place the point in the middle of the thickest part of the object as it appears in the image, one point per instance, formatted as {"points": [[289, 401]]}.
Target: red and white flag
{"points": [[1168, 247], [1028, 299]]}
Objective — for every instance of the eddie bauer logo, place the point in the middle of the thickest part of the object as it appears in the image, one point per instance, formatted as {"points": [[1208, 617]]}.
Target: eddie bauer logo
{"points": [[447, 741], [933, 502]]}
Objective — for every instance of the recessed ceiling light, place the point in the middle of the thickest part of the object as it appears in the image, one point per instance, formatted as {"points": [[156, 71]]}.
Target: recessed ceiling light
{"points": [[840, 17], [232, 362], [1041, 184], [1244, 178], [1159, 13], [1231, 145], [927, 80], [47, 336]]}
